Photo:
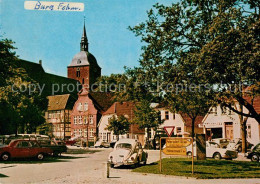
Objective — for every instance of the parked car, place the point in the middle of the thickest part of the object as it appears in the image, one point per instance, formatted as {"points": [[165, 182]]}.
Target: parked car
{"points": [[112, 143], [8, 138], [102, 144], [24, 149], [127, 152], [236, 145], [70, 142], [223, 142], [254, 155], [213, 150], [105, 145], [57, 147]]}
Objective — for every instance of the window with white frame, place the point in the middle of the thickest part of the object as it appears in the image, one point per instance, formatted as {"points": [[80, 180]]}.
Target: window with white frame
{"points": [[178, 130], [80, 132], [223, 110], [91, 119], [100, 135], [49, 115], [75, 120], [85, 132], [85, 121], [104, 136], [91, 132], [248, 131], [166, 115], [215, 111], [80, 119], [80, 108], [85, 106], [75, 132]]}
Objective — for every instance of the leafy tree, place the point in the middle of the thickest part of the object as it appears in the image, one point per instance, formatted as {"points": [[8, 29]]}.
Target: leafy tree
{"points": [[118, 125], [146, 117], [25, 108], [130, 86], [217, 38]]}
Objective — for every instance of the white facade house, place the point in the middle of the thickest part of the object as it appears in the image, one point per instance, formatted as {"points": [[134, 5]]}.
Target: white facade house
{"points": [[119, 109], [172, 119], [181, 122], [221, 122]]}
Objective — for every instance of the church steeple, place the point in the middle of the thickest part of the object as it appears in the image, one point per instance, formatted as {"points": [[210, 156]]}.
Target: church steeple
{"points": [[84, 40]]}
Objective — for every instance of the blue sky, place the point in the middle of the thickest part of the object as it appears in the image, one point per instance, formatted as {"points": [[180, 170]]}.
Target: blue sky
{"points": [[54, 36]]}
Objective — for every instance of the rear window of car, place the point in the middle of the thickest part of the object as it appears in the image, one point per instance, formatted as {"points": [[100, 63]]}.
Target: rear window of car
{"points": [[123, 146]]}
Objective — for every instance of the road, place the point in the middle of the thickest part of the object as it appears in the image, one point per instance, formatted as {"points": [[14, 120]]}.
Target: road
{"points": [[91, 168]]}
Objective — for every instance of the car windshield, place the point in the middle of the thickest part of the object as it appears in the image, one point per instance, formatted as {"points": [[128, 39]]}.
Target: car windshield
{"points": [[123, 146]]}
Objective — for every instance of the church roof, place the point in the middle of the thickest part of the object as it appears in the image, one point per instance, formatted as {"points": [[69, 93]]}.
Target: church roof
{"points": [[47, 81], [83, 58]]}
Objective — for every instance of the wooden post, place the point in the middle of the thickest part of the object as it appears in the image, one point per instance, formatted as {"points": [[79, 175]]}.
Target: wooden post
{"points": [[108, 166], [160, 154], [192, 155]]}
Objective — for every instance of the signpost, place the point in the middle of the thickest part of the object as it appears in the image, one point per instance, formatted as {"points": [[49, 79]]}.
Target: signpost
{"points": [[175, 146], [169, 130]]}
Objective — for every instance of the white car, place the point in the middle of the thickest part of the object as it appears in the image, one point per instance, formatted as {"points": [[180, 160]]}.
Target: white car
{"points": [[213, 150], [222, 142], [127, 152]]}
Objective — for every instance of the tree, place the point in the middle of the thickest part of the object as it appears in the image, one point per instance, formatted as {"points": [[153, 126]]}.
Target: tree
{"points": [[25, 108], [118, 125], [218, 38], [146, 117]]}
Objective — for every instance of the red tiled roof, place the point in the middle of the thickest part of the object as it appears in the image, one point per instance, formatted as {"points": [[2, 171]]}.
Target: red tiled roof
{"points": [[125, 109], [256, 102], [122, 108], [103, 99], [188, 120]]}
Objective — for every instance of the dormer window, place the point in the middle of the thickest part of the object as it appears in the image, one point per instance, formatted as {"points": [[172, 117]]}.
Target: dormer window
{"points": [[78, 62], [78, 72]]}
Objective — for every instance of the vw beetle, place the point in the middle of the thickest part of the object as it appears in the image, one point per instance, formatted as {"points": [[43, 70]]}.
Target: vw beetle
{"points": [[127, 152]]}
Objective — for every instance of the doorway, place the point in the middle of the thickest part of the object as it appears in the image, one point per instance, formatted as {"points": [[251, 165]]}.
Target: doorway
{"points": [[229, 130]]}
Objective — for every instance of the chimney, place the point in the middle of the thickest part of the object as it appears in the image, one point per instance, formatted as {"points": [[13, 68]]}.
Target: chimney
{"points": [[40, 62]]}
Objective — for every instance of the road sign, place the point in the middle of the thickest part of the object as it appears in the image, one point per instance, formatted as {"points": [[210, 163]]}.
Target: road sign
{"points": [[174, 151], [169, 130], [176, 146], [178, 142]]}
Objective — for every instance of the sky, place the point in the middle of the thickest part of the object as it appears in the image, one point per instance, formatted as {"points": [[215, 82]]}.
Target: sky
{"points": [[54, 36]]}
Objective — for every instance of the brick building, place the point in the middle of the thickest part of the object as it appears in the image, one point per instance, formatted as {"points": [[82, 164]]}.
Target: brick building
{"points": [[84, 66], [87, 112]]}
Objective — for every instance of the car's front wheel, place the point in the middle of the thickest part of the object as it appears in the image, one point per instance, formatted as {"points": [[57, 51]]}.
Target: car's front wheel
{"points": [[5, 156], [217, 156], [56, 153], [255, 158], [40, 156]]}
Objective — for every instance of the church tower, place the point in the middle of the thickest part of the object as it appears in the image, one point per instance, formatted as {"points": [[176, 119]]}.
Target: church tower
{"points": [[84, 66]]}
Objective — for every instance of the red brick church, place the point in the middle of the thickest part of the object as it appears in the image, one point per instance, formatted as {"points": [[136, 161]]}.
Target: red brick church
{"points": [[84, 66], [89, 106]]}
